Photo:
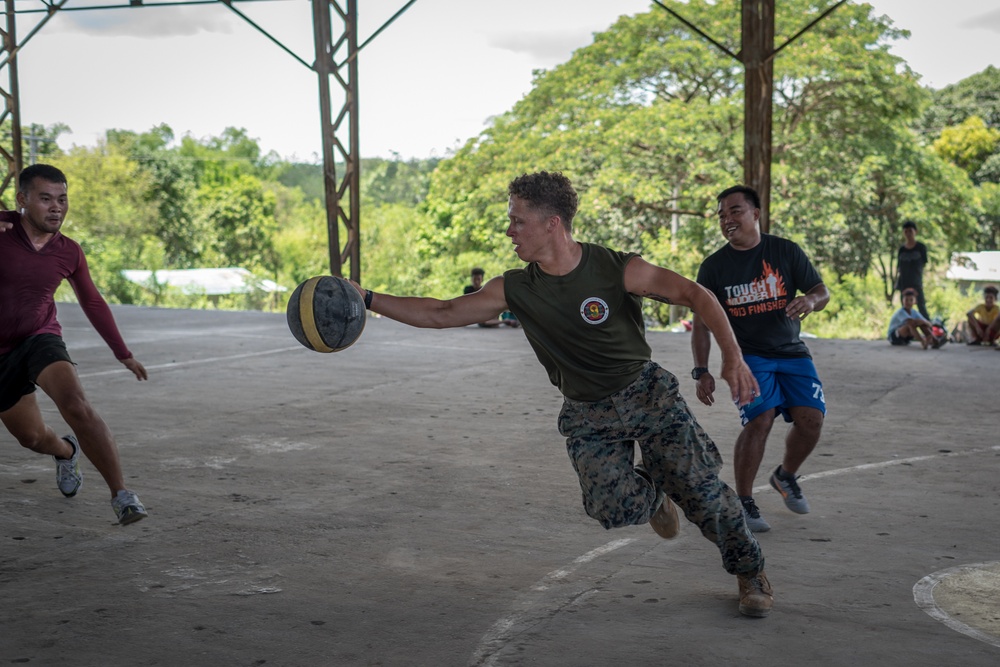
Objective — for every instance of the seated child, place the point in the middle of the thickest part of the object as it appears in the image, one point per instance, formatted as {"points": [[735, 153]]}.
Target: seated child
{"points": [[907, 323], [984, 319]]}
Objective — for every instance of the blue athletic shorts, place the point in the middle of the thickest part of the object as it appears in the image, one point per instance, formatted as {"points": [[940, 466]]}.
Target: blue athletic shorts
{"points": [[784, 383]]}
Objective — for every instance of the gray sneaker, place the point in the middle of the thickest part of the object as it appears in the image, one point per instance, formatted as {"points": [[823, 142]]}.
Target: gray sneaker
{"points": [[127, 507], [755, 522], [790, 492], [68, 475]]}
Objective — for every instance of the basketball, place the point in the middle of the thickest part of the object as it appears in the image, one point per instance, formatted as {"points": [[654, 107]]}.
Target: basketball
{"points": [[326, 314]]}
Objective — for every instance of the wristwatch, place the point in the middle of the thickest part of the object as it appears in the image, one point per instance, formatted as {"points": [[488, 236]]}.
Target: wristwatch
{"points": [[698, 372]]}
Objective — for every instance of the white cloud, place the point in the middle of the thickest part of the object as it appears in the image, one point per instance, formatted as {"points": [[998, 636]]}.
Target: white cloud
{"points": [[145, 22], [546, 48], [988, 21], [428, 82]]}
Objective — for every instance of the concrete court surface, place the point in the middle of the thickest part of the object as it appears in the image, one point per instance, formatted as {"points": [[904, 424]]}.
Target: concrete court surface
{"points": [[408, 501]]}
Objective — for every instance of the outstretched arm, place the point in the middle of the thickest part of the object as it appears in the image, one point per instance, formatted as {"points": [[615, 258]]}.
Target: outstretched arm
{"points": [[429, 313], [654, 282], [97, 311]]}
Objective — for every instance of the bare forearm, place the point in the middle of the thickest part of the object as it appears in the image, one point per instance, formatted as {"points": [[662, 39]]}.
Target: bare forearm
{"points": [[701, 342], [713, 317], [820, 296], [423, 312]]}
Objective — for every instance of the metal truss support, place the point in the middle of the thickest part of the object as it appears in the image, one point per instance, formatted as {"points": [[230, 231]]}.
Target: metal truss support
{"points": [[12, 159], [342, 79], [336, 65]]}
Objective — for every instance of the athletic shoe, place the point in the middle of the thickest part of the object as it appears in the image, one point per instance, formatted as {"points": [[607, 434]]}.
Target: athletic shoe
{"points": [[790, 492], [68, 475], [756, 596], [128, 508], [664, 520], [755, 522]]}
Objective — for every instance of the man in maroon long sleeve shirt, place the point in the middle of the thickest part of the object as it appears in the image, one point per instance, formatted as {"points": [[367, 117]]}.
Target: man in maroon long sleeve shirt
{"points": [[34, 259]]}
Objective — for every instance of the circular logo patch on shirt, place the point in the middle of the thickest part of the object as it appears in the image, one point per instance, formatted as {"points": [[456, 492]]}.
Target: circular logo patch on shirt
{"points": [[594, 310]]}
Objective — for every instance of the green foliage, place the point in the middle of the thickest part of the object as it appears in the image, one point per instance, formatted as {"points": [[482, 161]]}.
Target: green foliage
{"points": [[240, 214], [968, 145], [856, 310], [110, 216], [301, 239], [389, 233], [989, 215], [395, 181], [963, 121], [173, 187], [647, 121], [973, 96]]}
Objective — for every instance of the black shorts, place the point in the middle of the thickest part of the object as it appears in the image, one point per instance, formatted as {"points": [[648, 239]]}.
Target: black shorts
{"points": [[896, 339], [19, 368]]}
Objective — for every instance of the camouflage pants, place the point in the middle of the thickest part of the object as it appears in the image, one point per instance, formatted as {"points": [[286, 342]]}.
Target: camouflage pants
{"points": [[677, 454]]}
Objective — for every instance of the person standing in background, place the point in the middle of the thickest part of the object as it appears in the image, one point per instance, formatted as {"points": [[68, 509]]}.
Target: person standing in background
{"points": [[912, 258]]}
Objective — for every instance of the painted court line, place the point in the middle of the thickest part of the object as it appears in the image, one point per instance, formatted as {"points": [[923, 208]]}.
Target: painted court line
{"points": [[923, 595], [527, 611], [530, 610], [197, 362]]}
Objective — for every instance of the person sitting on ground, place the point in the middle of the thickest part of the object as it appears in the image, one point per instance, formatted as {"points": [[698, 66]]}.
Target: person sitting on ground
{"points": [[984, 319], [907, 323], [506, 318]]}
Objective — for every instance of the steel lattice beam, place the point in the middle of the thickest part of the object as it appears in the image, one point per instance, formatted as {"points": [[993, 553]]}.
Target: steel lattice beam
{"points": [[343, 196], [343, 79]]}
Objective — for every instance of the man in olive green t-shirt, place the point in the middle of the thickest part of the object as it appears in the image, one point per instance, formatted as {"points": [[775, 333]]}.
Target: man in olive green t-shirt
{"points": [[580, 307]]}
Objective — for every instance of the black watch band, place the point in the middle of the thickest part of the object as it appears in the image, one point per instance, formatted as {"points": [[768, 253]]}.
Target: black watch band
{"points": [[698, 371]]}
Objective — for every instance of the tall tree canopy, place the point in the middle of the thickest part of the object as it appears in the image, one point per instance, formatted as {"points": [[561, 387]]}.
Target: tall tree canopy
{"points": [[647, 121], [963, 121]]}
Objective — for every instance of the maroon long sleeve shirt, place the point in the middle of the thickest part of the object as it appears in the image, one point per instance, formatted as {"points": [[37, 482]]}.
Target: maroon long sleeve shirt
{"points": [[28, 281]]}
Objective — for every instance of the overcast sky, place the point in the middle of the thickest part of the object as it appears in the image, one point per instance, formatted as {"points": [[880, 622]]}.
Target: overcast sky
{"points": [[430, 81]]}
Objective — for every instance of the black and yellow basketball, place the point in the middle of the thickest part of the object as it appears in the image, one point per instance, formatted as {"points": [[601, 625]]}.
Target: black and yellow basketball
{"points": [[326, 314]]}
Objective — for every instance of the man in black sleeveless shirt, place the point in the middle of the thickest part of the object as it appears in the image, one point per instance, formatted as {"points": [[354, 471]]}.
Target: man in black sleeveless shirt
{"points": [[580, 307]]}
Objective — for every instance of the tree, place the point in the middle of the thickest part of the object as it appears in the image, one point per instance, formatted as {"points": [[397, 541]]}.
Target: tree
{"points": [[40, 142], [963, 121], [968, 145], [172, 192], [975, 95], [111, 216], [647, 122], [240, 215]]}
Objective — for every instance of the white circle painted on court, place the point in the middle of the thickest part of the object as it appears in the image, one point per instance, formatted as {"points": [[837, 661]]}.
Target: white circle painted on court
{"points": [[965, 598]]}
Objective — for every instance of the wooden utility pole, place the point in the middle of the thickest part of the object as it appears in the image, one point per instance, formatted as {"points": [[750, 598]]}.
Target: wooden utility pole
{"points": [[757, 57], [758, 90]]}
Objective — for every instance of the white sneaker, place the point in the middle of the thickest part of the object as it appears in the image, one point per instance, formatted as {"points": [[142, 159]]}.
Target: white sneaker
{"points": [[127, 507], [68, 475]]}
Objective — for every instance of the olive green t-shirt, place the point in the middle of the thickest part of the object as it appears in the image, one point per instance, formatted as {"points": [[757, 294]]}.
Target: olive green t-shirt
{"points": [[585, 328]]}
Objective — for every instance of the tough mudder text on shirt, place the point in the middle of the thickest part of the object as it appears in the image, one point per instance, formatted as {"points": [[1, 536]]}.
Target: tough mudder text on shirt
{"points": [[755, 286]]}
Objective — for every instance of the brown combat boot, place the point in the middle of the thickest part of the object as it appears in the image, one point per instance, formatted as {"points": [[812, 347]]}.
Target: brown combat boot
{"points": [[756, 596], [665, 520]]}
